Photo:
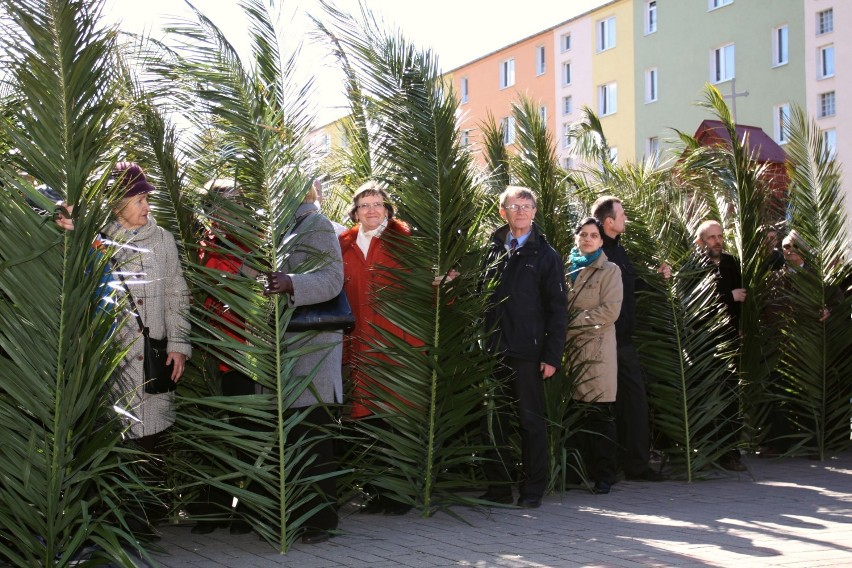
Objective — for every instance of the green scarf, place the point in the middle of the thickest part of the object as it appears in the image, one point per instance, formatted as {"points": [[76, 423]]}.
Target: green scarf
{"points": [[580, 261]]}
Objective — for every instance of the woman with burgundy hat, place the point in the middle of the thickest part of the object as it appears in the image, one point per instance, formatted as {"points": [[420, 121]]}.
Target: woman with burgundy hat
{"points": [[147, 267]]}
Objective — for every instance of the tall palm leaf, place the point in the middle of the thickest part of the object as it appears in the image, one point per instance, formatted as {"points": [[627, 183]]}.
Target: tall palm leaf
{"points": [[496, 155], [419, 154], [56, 405], [258, 114], [815, 364]]}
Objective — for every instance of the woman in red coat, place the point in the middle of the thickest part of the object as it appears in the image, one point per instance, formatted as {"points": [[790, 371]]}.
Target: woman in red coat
{"points": [[368, 254]]}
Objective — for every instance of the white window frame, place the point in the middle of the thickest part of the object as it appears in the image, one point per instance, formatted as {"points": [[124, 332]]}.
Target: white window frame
{"points": [[650, 17], [716, 4], [507, 73], [325, 145], [825, 22], [607, 99], [825, 61], [566, 74], [565, 42], [827, 104], [566, 135], [465, 90], [780, 46], [780, 121], [652, 147], [829, 141], [652, 92], [606, 34], [542, 113], [567, 105], [568, 163], [613, 155], [540, 60], [723, 63], [508, 124], [465, 138]]}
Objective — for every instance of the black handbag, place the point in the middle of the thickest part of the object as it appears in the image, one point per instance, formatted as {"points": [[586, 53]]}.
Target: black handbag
{"points": [[331, 315], [157, 375]]}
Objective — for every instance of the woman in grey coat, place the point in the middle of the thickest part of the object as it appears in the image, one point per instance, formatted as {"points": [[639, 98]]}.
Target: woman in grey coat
{"points": [[312, 273]]}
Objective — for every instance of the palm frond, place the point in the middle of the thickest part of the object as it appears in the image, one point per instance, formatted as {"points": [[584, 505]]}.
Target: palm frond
{"points": [[419, 155]]}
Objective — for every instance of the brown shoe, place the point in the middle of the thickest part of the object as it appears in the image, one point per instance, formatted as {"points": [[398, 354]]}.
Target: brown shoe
{"points": [[732, 463]]}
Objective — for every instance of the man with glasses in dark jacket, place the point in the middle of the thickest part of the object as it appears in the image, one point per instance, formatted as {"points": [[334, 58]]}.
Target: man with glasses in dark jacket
{"points": [[527, 313]]}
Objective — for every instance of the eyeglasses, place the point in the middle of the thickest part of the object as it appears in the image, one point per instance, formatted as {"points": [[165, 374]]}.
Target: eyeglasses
{"points": [[788, 246], [515, 207], [368, 206]]}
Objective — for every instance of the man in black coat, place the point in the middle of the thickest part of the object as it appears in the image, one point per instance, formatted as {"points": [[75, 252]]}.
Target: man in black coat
{"points": [[528, 314], [631, 401], [729, 286]]}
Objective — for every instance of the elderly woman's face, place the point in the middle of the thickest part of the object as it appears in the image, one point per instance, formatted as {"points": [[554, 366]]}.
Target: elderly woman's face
{"points": [[371, 211], [588, 239], [132, 212]]}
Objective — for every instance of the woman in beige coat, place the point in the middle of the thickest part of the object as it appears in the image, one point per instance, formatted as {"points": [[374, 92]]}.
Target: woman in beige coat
{"points": [[594, 302]]}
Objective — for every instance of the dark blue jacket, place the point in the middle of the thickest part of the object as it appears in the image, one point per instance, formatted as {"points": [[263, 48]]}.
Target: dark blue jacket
{"points": [[528, 307]]}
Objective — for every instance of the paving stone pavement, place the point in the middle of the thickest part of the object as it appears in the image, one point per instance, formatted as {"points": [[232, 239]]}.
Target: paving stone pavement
{"points": [[790, 513]]}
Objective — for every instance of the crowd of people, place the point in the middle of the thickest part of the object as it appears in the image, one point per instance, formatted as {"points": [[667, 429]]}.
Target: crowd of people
{"points": [[542, 312]]}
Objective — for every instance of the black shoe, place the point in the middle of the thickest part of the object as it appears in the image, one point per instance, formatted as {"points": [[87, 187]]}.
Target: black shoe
{"points": [[647, 474], [732, 463], [374, 506], [207, 527], [315, 536], [494, 497], [602, 487], [239, 526], [529, 501]]}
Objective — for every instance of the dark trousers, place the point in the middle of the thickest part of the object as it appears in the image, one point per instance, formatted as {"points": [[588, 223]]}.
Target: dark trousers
{"points": [[596, 440], [519, 393], [213, 501], [153, 472], [631, 411]]}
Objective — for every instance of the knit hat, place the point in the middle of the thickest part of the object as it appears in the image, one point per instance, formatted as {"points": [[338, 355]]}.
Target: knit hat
{"points": [[130, 177]]}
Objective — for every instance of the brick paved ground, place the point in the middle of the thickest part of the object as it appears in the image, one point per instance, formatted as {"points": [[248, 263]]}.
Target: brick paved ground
{"points": [[791, 513]]}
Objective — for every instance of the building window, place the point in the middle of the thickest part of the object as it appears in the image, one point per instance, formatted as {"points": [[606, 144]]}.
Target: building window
{"points": [[465, 90], [606, 34], [780, 46], [607, 99], [825, 21], [566, 136], [568, 163], [826, 62], [651, 85], [542, 113], [507, 73], [613, 156], [566, 74], [565, 42], [781, 121], [325, 144], [567, 105], [650, 17], [465, 138], [829, 142], [653, 148], [508, 125], [540, 63], [713, 4], [826, 104], [722, 64]]}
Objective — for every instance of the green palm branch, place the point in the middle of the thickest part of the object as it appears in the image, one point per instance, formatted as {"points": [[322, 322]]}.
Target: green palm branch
{"points": [[253, 114], [58, 354], [427, 449], [497, 162], [815, 363]]}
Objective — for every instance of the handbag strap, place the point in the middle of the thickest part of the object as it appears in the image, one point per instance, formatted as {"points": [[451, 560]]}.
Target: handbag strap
{"points": [[118, 273]]}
